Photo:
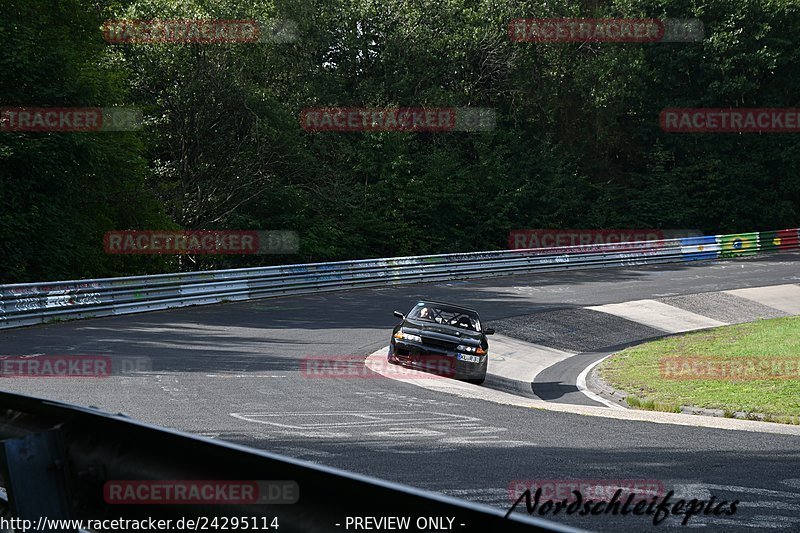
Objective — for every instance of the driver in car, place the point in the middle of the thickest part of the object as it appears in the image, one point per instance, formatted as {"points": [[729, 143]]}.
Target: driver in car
{"points": [[426, 314]]}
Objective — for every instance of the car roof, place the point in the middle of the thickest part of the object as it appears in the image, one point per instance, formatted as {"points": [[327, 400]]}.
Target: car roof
{"points": [[447, 304]]}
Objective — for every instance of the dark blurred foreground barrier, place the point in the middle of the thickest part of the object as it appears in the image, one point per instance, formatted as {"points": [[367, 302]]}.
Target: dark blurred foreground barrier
{"points": [[56, 460], [33, 303]]}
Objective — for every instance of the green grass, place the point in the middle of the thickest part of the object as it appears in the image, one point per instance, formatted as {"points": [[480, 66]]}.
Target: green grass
{"points": [[638, 371]]}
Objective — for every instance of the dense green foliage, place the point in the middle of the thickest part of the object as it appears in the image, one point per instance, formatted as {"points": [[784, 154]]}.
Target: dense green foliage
{"points": [[577, 143]]}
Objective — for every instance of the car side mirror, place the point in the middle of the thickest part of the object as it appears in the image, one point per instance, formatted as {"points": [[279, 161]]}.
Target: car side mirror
{"points": [[489, 331], [398, 314]]}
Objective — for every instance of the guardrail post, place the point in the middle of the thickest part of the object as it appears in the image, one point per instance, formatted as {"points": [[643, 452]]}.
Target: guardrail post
{"points": [[35, 479]]}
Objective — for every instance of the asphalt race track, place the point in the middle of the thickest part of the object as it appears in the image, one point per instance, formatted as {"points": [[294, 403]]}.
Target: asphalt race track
{"points": [[233, 372]]}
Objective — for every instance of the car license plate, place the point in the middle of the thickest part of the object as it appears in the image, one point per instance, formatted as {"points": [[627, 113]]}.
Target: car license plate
{"points": [[469, 358]]}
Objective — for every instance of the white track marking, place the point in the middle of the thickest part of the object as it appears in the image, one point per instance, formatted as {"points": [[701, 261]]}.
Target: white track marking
{"points": [[581, 384]]}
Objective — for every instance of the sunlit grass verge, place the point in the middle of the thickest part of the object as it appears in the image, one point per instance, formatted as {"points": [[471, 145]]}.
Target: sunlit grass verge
{"points": [[639, 372]]}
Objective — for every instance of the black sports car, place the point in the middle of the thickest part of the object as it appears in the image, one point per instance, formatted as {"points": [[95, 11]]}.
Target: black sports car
{"points": [[441, 336]]}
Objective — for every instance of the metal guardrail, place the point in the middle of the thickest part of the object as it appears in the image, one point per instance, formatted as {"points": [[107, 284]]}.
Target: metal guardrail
{"points": [[57, 460], [33, 303]]}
